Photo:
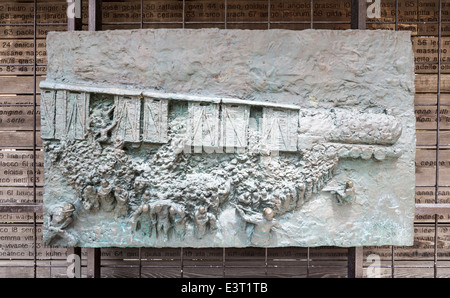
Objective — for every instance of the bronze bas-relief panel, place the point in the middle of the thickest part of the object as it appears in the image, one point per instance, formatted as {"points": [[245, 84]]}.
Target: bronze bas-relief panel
{"points": [[255, 141]]}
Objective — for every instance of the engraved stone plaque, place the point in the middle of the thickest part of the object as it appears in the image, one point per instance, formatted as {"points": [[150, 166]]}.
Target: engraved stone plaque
{"points": [[228, 138]]}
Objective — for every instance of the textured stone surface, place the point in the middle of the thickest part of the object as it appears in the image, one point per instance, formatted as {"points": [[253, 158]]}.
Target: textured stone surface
{"points": [[216, 126]]}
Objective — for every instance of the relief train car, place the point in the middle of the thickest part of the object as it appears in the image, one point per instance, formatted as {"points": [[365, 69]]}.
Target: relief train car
{"points": [[242, 138], [212, 123], [114, 156]]}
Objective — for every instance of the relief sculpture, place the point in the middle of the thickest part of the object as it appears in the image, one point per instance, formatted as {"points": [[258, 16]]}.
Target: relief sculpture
{"points": [[130, 166]]}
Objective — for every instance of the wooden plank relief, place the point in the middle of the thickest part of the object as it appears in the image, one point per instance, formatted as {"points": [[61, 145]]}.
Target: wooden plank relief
{"points": [[18, 242], [18, 139], [235, 121], [431, 98], [427, 83], [14, 99], [19, 118], [20, 195], [127, 115], [426, 117], [17, 56], [427, 139], [426, 195], [426, 167], [17, 168], [19, 85], [196, 128], [155, 120], [83, 102], [423, 248], [426, 50]]}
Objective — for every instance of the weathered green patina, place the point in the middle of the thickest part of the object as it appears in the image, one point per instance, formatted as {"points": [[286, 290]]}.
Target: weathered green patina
{"points": [[228, 138]]}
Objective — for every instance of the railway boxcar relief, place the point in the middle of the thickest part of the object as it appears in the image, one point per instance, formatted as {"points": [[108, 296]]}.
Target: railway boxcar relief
{"points": [[222, 138]]}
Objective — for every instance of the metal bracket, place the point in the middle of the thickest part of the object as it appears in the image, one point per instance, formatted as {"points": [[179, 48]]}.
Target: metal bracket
{"points": [[93, 262], [355, 254], [74, 22], [355, 262], [95, 15], [359, 10]]}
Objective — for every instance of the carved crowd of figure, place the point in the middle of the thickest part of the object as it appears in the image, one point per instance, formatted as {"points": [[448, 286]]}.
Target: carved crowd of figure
{"points": [[165, 193], [130, 190]]}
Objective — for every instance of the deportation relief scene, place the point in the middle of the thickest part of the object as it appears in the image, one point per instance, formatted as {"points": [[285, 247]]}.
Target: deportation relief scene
{"points": [[228, 138]]}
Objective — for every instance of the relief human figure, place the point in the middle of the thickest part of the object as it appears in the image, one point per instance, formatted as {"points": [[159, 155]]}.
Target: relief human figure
{"points": [[245, 199], [300, 189], [105, 114], [347, 195], [276, 203], [122, 199], [214, 202], [263, 225], [104, 130], [287, 199], [163, 223], [143, 210], [118, 149], [255, 198], [178, 147], [90, 199], [224, 191], [203, 219], [178, 219], [264, 198], [139, 185], [107, 199], [146, 196], [57, 222]]}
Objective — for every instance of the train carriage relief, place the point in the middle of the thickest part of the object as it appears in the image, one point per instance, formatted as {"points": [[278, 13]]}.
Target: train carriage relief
{"points": [[60, 114], [234, 127], [48, 106], [279, 129], [154, 125], [290, 149], [71, 113], [77, 114], [203, 126], [127, 117]]}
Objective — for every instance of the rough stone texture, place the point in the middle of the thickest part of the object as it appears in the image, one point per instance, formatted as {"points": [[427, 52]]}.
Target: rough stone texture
{"points": [[343, 174], [309, 68]]}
